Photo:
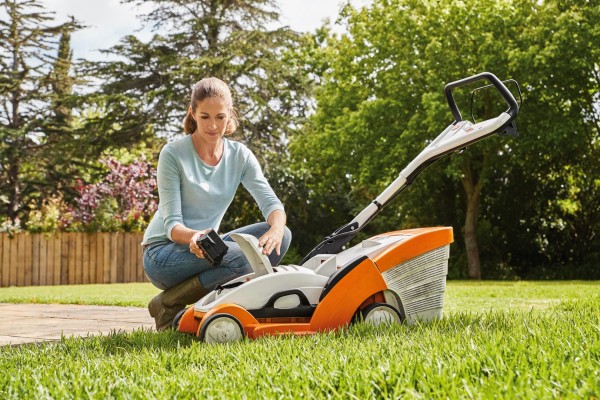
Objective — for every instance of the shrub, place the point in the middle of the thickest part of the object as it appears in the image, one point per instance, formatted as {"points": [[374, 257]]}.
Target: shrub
{"points": [[124, 200], [52, 216]]}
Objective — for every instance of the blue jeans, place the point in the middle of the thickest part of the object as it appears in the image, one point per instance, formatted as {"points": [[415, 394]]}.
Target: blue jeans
{"points": [[167, 263]]}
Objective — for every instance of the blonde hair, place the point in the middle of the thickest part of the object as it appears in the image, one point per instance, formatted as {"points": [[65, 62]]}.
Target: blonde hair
{"points": [[207, 88]]}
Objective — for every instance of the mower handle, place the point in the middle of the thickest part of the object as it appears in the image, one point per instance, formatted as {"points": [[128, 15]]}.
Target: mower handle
{"points": [[506, 94], [446, 143]]}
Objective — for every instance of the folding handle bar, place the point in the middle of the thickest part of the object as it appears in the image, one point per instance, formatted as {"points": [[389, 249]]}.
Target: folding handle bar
{"points": [[506, 94]]}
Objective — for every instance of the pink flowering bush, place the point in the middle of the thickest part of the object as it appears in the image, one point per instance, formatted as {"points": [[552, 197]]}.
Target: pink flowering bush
{"points": [[123, 201]]}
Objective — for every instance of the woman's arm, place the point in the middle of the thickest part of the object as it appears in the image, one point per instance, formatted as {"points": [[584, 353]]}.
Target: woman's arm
{"points": [[272, 239], [169, 189]]}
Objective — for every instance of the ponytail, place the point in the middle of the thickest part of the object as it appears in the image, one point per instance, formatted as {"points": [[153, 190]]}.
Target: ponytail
{"points": [[189, 123]]}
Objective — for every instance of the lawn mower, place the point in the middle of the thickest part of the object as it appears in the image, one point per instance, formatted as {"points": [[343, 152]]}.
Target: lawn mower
{"points": [[389, 278]]}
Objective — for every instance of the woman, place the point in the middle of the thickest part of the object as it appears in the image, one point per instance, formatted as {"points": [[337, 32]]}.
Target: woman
{"points": [[198, 176]]}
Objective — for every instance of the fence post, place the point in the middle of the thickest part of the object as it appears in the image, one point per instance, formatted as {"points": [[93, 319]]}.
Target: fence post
{"points": [[32, 260], [56, 239], [13, 262], [43, 260], [4, 260]]}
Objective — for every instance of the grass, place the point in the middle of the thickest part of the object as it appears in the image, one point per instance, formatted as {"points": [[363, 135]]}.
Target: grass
{"points": [[120, 294], [460, 295], [505, 340]]}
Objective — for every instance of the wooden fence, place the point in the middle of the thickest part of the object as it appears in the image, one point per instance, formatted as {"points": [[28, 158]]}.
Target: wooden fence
{"points": [[70, 258]]}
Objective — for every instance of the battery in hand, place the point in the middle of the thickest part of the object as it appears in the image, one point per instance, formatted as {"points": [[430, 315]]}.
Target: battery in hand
{"points": [[213, 247]]}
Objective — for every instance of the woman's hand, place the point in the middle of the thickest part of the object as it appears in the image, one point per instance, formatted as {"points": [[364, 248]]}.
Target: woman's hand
{"points": [[271, 240], [194, 248]]}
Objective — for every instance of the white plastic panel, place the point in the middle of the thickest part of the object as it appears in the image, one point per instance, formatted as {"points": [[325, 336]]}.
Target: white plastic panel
{"points": [[258, 261], [255, 292]]}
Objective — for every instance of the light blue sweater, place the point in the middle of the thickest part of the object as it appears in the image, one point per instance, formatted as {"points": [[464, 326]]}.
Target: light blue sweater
{"points": [[197, 195]]}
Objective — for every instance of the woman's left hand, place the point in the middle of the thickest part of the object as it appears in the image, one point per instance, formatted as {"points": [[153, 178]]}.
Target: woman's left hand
{"points": [[271, 240]]}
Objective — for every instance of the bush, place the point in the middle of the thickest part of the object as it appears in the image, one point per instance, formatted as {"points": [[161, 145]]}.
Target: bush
{"points": [[52, 216], [124, 200]]}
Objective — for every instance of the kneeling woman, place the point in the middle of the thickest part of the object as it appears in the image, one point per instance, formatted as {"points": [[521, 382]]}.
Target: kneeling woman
{"points": [[198, 176]]}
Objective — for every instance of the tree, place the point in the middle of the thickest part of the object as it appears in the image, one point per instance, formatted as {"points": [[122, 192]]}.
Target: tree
{"points": [[228, 39], [382, 99], [27, 43], [555, 162]]}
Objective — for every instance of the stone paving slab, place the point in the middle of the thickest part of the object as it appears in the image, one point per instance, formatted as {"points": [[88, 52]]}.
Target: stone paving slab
{"points": [[31, 323]]}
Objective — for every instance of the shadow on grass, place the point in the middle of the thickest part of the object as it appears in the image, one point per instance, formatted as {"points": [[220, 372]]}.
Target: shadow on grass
{"points": [[118, 342]]}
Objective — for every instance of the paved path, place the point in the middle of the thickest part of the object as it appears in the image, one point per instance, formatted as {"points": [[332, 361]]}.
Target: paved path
{"points": [[27, 323]]}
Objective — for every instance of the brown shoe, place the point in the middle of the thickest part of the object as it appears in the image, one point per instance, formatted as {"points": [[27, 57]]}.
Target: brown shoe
{"points": [[164, 306]]}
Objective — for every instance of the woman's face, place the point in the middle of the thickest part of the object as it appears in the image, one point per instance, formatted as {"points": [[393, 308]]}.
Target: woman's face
{"points": [[211, 116]]}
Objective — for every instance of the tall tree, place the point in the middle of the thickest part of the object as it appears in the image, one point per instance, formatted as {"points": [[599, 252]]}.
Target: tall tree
{"points": [[27, 43], [230, 39], [555, 163], [382, 100]]}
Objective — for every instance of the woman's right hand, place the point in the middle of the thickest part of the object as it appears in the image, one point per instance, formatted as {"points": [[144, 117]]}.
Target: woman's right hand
{"points": [[194, 245]]}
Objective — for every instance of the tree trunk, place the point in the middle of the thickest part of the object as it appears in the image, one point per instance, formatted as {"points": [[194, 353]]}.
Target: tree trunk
{"points": [[472, 188], [473, 262], [14, 197]]}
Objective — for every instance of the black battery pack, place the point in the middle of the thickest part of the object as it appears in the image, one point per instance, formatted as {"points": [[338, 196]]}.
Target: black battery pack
{"points": [[213, 247]]}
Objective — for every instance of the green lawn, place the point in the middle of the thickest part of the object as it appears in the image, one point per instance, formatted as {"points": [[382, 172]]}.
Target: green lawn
{"points": [[121, 294], [460, 295], [507, 340]]}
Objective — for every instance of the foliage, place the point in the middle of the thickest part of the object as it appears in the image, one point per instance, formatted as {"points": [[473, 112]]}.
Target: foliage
{"points": [[381, 100], [124, 200], [202, 38], [29, 84], [532, 203], [10, 227], [50, 217], [43, 121], [481, 354]]}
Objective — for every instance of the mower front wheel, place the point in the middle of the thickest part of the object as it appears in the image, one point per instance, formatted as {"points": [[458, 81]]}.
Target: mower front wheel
{"points": [[221, 328], [381, 314]]}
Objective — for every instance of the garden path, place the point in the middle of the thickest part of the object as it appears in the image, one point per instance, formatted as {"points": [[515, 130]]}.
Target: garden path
{"points": [[29, 323]]}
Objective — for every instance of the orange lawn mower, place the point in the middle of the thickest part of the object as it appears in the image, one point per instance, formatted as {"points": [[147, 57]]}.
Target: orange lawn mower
{"points": [[387, 278]]}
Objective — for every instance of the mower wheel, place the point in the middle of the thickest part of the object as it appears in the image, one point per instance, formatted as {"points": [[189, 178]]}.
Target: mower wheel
{"points": [[381, 314], [221, 328], [177, 319]]}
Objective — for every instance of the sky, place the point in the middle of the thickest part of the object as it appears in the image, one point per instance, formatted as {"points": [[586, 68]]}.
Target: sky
{"points": [[109, 20]]}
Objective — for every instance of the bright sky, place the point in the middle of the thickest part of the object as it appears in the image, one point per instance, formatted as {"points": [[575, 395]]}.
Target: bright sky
{"points": [[109, 20]]}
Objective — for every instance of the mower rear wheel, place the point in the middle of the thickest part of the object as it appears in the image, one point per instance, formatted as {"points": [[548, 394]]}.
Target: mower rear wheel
{"points": [[381, 314], [221, 328]]}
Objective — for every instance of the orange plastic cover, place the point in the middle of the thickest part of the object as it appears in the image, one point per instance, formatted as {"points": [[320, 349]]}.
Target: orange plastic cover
{"points": [[338, 307], [188, 323], [419, 241]]}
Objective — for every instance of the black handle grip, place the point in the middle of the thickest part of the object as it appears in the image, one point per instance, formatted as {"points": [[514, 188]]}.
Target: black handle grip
{"points": [[513, 107]]}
